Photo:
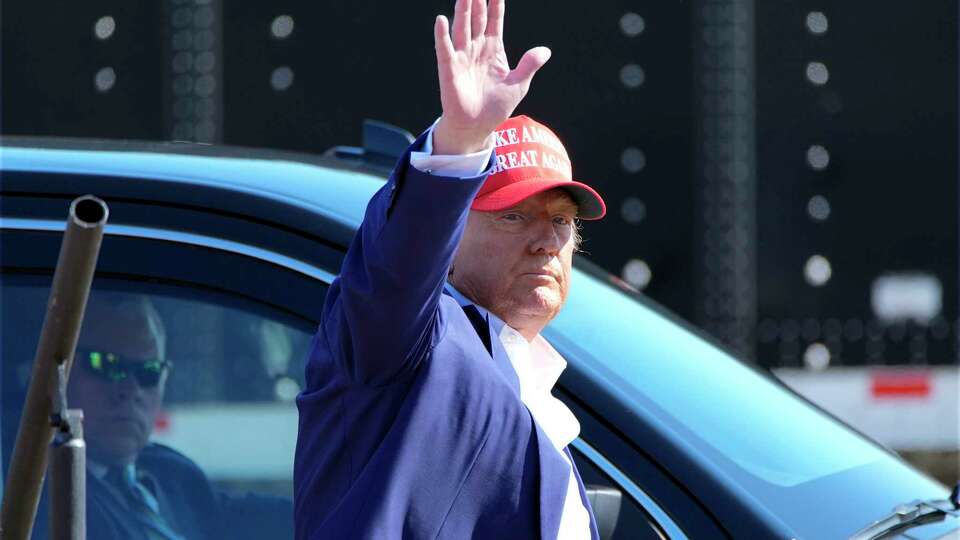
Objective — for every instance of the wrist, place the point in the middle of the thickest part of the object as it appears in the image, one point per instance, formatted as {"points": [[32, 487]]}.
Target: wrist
{"points": [[448, 140]]}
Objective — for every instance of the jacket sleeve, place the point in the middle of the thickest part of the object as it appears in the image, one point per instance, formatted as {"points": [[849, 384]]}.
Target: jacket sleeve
{"points": [[381, 315]]}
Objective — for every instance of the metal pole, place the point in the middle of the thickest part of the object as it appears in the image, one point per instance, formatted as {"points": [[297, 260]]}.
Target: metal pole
{"points": [[58, 340], [68, 480]]}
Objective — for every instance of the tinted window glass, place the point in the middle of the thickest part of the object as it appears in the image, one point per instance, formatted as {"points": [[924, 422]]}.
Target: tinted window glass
{"points": [[196, 389], [633, 523]]}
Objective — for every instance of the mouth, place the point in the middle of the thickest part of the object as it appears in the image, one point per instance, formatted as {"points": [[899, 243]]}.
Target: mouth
{"points": [[125, 420], [544, 275]]}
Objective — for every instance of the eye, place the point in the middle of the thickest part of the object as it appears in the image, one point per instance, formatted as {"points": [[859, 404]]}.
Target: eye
{"points": [[562, 220], [512, 217]]}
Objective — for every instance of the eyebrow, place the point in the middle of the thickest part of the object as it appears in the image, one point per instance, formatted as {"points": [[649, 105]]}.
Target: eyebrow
{"points": [[566, 205]]}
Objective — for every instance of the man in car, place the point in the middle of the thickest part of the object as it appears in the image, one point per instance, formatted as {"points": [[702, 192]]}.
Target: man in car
{"points": [[137, 489], [427, 411], [134, 489]]}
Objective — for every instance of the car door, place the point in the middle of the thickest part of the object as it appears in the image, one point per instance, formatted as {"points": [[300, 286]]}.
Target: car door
{"points": [[653, 504], [239, 297]]}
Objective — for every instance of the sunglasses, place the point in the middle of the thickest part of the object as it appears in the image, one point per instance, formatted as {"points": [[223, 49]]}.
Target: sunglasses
{"points": [[110, 367]]}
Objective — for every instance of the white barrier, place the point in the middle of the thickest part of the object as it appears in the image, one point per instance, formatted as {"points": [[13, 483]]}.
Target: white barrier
{"points": [[904, 408]]}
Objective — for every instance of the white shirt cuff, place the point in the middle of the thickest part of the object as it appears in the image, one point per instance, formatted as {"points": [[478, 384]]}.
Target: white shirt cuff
{"points": [[461, 166]]}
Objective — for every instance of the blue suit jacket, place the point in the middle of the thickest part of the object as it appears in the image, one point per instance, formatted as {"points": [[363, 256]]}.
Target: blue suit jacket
{"points": [[411, 424]]}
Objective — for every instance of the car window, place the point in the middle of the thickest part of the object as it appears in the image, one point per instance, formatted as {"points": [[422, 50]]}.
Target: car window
{"points": [[633, 523], [201, 381]]}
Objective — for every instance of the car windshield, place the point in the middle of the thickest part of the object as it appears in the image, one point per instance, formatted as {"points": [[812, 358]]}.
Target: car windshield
{"points": [[705, 390], [759, 434]]}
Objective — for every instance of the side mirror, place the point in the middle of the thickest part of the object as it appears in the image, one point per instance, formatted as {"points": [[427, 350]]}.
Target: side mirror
{"points": [[605, 501]]}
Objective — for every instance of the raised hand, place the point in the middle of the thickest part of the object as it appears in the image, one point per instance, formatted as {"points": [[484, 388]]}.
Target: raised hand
{"points": [[478, 90]]}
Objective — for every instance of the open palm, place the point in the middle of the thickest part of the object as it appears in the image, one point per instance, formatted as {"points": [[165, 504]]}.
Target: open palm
{"points": [[478, 90]]}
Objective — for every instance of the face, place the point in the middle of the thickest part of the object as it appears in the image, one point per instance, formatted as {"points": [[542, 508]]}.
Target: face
{"points": [[119, 415], [517, 262]]}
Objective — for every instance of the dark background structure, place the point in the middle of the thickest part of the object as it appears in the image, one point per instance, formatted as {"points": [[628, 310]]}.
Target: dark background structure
{"points": [[764, 163]]}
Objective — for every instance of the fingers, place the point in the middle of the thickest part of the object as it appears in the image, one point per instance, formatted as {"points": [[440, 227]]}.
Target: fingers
{"points": [[532, 60], [461, 24], [441, 40], [479, 18], [495, 19]]}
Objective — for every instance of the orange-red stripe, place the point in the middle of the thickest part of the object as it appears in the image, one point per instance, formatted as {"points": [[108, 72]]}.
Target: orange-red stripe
{"points": [[900, 385]]}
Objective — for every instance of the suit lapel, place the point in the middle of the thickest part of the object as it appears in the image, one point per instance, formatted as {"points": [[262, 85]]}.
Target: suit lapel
{"points": [[109, 509], [502, 361], [486, 333], [554, 480], [594, 530]]}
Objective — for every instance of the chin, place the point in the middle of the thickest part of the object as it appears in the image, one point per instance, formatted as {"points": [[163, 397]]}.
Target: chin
{"points": [[125, 444], [116, 453], [541, 301]]}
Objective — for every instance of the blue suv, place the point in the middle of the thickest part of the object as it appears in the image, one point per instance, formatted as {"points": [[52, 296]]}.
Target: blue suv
{"points": [[236, 249]]}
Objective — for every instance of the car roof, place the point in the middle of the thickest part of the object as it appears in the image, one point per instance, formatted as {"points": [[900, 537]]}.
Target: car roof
{"points": [[282, 176]]}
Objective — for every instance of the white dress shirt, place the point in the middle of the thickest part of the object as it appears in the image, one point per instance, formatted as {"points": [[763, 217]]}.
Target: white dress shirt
{"points": [[537, 364], [462, 166]]}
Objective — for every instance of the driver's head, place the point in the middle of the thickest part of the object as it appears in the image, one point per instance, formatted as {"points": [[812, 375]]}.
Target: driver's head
{"points": [[118, 375]]}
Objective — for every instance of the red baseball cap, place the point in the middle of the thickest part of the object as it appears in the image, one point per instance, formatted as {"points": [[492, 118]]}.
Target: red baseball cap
{"points": [[531, 159]]}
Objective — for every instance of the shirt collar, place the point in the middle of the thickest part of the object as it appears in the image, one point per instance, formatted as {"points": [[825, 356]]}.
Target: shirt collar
{"points": [[545, 363], [98, 469]]}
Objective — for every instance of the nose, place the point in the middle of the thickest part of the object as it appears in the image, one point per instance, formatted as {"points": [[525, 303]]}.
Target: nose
{"points": [[126, 389], [546, 237]]}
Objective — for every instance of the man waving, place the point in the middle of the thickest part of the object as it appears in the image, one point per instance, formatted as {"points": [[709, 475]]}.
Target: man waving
{"points": [[428, 410]]}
